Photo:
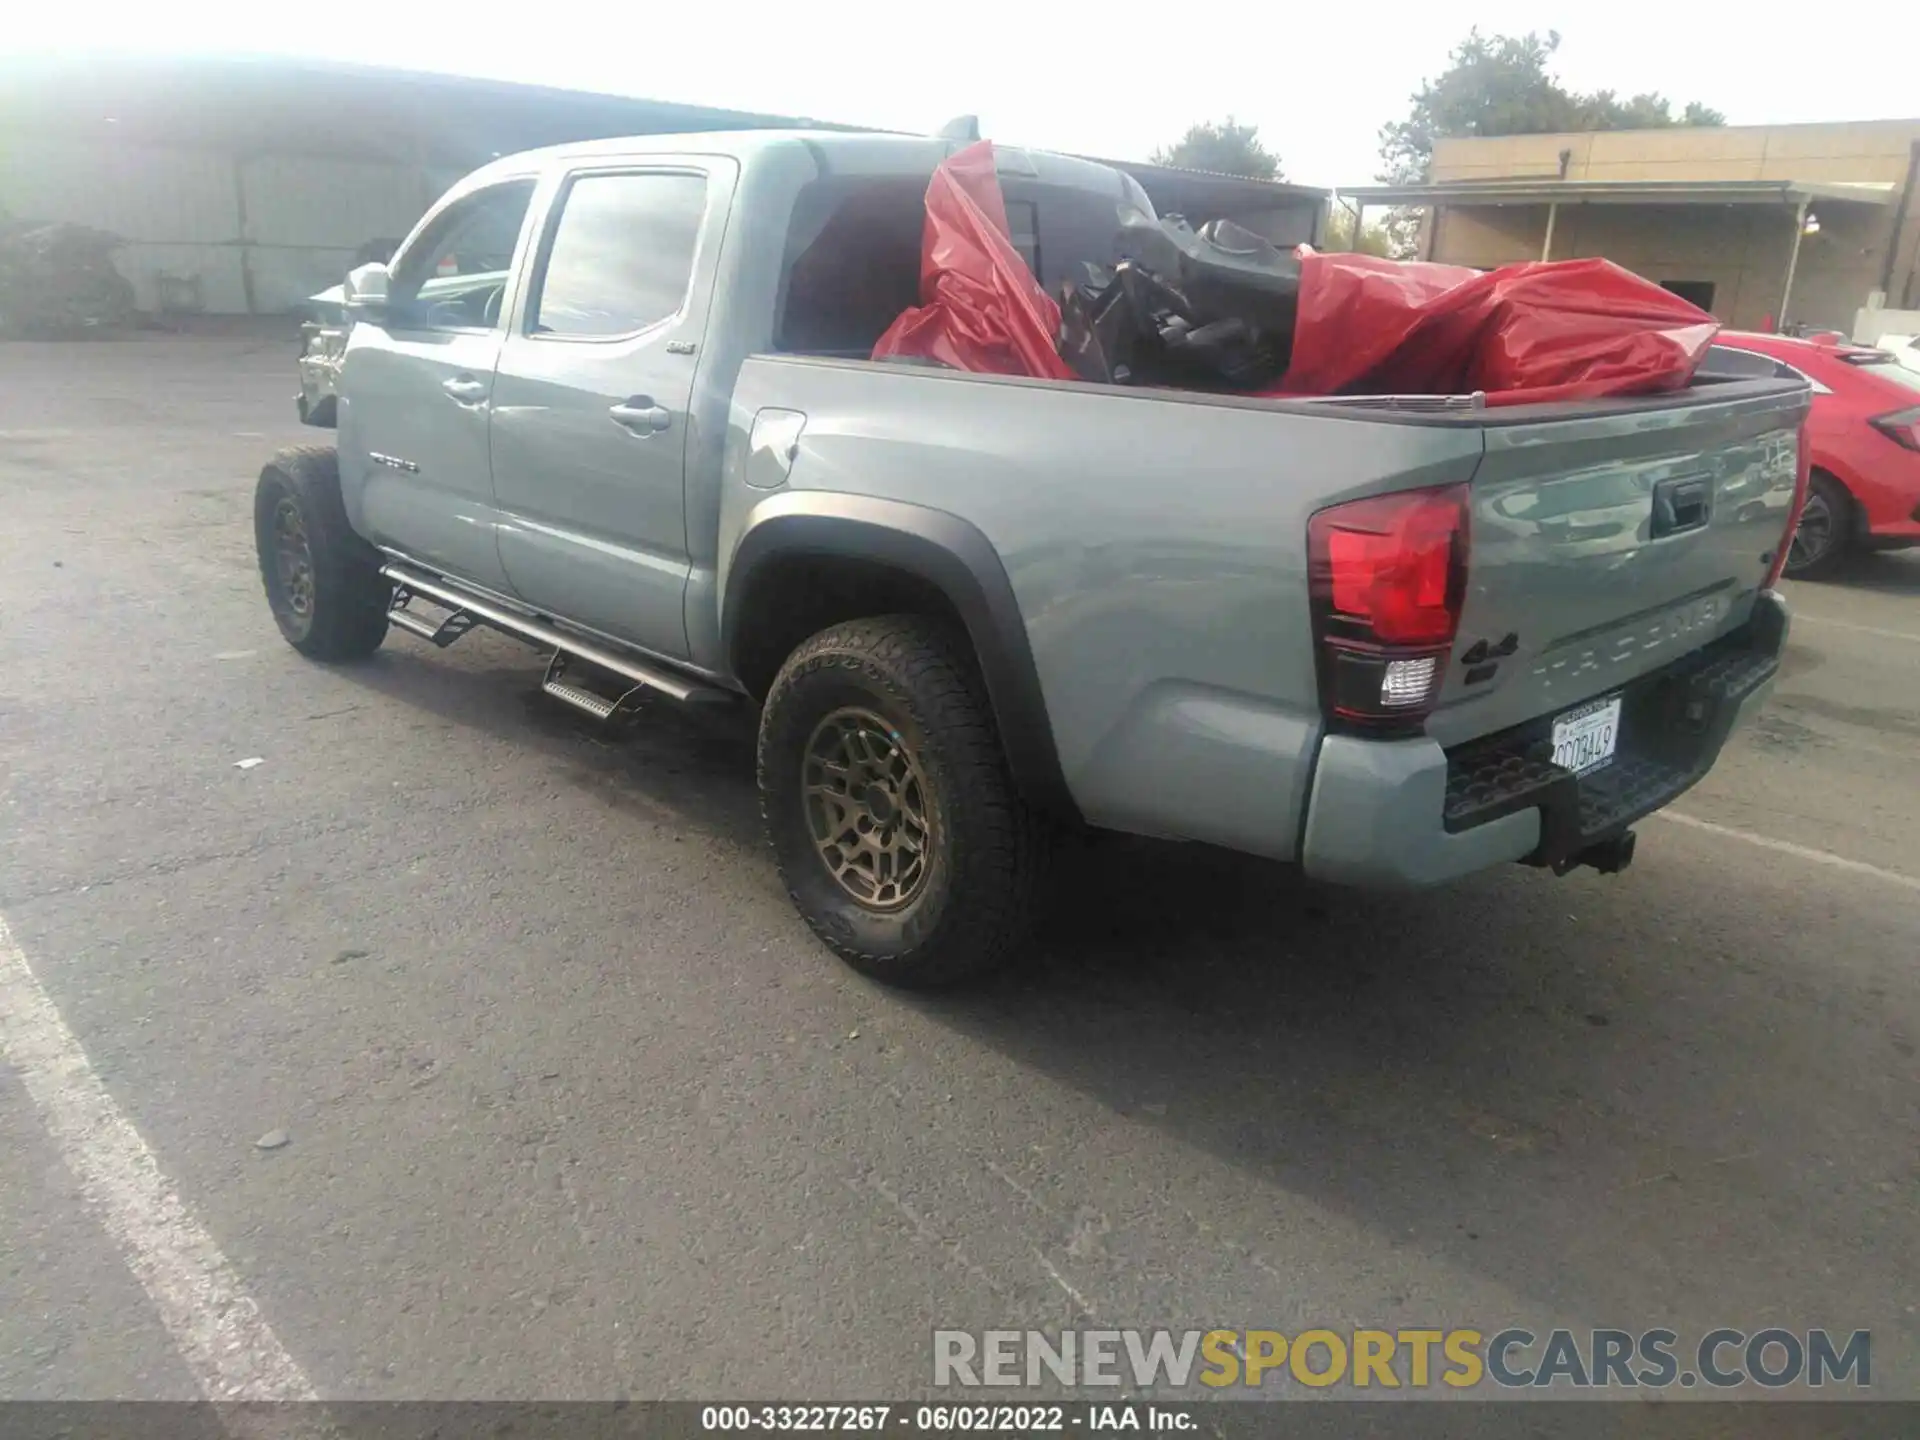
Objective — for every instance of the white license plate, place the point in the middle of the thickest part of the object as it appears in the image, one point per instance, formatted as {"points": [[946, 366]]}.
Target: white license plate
{"points": [[1584, 739]]}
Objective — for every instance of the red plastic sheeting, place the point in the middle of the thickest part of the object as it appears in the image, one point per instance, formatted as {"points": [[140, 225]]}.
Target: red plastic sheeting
{"points": [[981, 309], [1539, 331]]}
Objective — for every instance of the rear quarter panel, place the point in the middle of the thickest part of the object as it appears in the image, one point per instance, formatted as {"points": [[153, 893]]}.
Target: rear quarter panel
{"points": [[1156, 545], [1882, 477]]}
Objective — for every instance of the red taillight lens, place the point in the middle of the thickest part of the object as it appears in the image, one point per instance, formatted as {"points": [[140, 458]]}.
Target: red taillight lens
{"points": [[1390, 563], [1802, 476], [1387, 575], [1902, 427]]}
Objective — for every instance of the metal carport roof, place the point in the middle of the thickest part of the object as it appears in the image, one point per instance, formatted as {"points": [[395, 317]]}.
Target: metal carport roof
{"points": [[1548, 191]]}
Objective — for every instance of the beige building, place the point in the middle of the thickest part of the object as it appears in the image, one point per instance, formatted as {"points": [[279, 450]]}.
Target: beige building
{"points": [[1763, 225]]}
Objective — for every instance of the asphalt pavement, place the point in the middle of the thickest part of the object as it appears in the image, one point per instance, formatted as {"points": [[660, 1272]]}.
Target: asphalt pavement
{"points": [[573, 1106]]}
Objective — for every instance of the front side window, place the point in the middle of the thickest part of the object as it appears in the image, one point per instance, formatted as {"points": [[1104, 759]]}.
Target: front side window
{"points": [[621, 257], [455, 275]]}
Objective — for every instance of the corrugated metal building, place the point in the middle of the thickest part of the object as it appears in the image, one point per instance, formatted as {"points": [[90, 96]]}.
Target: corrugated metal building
{"points": [[244, 185]]}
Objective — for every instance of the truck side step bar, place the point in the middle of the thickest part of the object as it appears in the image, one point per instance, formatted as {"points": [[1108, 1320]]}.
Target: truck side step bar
{"points": [[442, 633], [600, 707], [465, 610]]}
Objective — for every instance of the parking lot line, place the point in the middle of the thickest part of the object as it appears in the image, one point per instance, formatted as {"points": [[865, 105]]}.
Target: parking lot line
{"points": [[1787, 847], [218, 1329], [1874, 630]]}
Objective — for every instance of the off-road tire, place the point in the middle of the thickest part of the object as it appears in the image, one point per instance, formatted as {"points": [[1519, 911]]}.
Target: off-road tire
{"points": [[340, 612], [987, 848], [1830, 493]]}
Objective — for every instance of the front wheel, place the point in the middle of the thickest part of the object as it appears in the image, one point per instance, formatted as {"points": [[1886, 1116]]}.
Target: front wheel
{"points": [[323, 582], [887, 798], [1826, 528]]}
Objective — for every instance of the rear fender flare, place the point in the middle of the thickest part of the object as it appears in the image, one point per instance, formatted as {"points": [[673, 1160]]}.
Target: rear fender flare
{"points": [[948, 553]]}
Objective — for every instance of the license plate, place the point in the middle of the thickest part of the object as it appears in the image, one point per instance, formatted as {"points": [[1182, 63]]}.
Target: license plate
{"points": [[1584, 739]]}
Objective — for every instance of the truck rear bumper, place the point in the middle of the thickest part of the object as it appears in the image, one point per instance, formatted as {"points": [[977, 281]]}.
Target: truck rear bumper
{"points": [[1408, 813]]}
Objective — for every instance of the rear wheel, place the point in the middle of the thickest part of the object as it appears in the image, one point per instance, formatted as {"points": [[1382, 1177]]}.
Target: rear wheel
{"points": [[1825, 531], [891, 811], [323, 582]]}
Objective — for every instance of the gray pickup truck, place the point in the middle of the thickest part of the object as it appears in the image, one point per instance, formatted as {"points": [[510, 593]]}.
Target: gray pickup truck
{"points": [[1394, 641]]}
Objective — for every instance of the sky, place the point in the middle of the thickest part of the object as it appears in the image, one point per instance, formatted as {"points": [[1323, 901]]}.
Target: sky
{"points": [[1318, 79]]}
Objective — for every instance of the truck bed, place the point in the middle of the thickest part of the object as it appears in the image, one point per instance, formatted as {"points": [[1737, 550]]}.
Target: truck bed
{"points": [[1151, 535]]}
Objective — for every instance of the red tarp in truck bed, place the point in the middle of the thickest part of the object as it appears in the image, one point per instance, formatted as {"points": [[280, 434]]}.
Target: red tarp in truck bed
{"points": [[1536, 331], [980, 307]]}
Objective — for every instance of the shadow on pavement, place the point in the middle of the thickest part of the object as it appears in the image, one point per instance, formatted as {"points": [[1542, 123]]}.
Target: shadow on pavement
{"points": [[697, 764], [1893, 573], [1528, 1078]]}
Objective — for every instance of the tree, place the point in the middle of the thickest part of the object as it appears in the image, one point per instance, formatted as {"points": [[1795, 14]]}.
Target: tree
{"points": [[1228, 148], [1500, 85], [1376, 239]]}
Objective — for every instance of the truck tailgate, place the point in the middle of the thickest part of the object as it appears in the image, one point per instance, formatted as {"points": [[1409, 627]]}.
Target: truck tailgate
{"points": [[1610, 539]]}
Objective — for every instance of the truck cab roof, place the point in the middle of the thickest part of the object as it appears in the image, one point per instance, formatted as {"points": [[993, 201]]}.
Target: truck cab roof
{"points": [[830, 151]]}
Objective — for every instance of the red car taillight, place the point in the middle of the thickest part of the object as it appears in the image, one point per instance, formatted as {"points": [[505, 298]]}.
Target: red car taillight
{"points": [[1802, 474], [1902, 427], [1387, 575]]}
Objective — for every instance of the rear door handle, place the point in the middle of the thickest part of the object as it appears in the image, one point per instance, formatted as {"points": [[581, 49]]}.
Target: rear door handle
{"points": [[466, 389], [641, 416]]}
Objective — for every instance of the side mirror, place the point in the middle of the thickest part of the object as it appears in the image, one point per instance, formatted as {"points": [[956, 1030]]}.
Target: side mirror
{"points": [[366, 292]]}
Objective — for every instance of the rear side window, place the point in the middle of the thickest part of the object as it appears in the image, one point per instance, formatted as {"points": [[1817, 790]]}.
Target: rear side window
{"points": [[1735, 363], [1892, 370], [621, 257]]}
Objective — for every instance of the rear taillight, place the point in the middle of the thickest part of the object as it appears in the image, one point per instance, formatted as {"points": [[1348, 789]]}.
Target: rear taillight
{"points": [[1802, 475], [1387, 576], [1902, 427]]}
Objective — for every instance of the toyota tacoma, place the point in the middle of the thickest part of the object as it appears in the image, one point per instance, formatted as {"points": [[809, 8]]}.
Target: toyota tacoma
{"points": [[617, 400]]}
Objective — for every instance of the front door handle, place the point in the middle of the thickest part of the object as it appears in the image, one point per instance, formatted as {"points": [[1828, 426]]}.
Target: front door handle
{"points": [[640, 416], [466, 389]]}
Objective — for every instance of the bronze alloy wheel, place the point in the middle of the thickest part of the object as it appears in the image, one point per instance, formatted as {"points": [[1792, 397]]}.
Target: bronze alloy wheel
{"points": [[888, 801], [866, 807], [293, 557]]}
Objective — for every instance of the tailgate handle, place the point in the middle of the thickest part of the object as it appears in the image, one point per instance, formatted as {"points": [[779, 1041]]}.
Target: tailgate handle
{"points": [[1681, 505]]}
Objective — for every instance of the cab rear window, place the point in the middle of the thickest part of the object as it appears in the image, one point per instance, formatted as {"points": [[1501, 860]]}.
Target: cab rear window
{"points": [[853, 253]]}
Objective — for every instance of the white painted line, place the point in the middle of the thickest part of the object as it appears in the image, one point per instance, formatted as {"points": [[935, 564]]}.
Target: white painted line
{"points": [[1074, 1295], [1800, 618], [1787, 847], [219, 1331]]}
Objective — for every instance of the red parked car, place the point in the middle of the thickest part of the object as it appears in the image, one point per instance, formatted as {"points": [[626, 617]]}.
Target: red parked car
{"points": [[1865, 436]]}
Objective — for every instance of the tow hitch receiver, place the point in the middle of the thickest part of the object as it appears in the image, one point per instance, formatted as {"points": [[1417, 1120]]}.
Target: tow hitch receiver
{"points": [[1609, 857]]}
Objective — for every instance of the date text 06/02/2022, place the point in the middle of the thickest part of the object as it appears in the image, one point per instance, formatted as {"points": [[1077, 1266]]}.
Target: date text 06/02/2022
{"points": [[941, 1419]]}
